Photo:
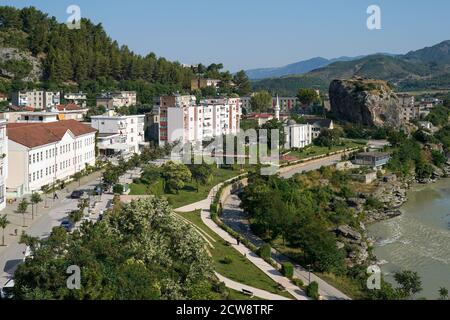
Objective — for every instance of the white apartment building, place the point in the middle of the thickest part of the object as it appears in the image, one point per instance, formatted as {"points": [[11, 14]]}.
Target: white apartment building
{"points": [[196, 123], [36, 99], [298, 135], [41, 154], [131, 131], [78, 98], [3, 163]]}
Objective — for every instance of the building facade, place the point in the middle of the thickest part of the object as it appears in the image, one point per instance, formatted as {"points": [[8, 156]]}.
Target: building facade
{"points": [[197, 84], [3, 163], [78, 98], [36, 99], [131, 131], [298, 136], [112, 100], [186, 121], [44, 153]]}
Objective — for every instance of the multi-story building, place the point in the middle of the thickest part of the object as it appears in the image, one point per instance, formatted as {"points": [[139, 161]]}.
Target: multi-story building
{"points": [[36, 99], [3, 163], [161, 107], [29, 117], [286, 103], [71, 112], [131, 131], [197, 84], [112, 100], [297, 135], [196, 123], [78, 98], [44, 153]]}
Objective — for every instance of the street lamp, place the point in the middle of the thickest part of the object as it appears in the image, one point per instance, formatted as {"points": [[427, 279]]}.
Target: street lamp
{"points": [[309, 273]]}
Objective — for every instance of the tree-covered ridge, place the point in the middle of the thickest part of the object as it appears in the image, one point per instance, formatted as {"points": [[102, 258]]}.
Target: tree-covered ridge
{"points": [[139, 251], [87, 53]]}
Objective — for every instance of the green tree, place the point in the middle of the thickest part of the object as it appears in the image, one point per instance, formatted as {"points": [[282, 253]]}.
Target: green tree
{"points": [[175, 176], [22, 208], [261, 102], [312, 290], [124, 257], [75, 216], [242, 83], [3, 224], [308, 96], [443, 293], [35, 200], [201, 173], [409, 281]]}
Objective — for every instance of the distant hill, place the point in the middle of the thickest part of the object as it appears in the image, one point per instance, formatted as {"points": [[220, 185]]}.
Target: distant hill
{"points": [[427, 68], [297, 68]]}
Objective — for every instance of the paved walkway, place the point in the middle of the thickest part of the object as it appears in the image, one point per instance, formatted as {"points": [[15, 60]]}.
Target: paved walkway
{"points": [[235, 218], [256, 292], [12, 255], [270, 271]]}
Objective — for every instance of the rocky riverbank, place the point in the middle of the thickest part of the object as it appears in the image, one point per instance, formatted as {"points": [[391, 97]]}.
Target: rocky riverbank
{"points": [[382, 204]]}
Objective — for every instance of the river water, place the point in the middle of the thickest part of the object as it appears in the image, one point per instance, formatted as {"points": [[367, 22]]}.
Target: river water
{"points": [[419, 240]]}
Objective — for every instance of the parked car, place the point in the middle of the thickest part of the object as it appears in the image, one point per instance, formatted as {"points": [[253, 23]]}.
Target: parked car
{"points": [[5, 291], [67, 225], [77, 194]]}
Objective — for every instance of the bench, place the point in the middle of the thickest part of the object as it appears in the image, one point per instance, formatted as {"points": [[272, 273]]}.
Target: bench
{"points": [[247, 293]]}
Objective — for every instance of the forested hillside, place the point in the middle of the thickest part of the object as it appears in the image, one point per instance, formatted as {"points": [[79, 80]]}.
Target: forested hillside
{"points": [[428, 68], [86, 59]]}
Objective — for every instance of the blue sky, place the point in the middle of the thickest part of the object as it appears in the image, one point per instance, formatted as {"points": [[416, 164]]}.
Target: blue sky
{"points": [[245, 34]]}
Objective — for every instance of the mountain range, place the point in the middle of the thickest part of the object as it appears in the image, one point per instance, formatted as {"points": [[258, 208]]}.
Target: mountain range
{"points": [[300, 67], [427, 68]]}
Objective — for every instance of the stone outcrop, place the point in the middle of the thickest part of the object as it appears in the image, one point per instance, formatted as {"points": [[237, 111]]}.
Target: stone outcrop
{"points": [[11, 56], [365, 101]]}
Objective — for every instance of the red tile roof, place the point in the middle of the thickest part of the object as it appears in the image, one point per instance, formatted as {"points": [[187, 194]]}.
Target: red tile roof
{"points": [[33, 135]]}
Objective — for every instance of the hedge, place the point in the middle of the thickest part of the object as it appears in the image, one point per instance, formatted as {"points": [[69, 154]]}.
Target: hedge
{"points": [[287, 269], [312, 290]]}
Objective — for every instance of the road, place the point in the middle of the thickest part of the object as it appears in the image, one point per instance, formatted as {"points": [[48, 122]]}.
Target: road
{"points": [[13, 255], [237, 219]]}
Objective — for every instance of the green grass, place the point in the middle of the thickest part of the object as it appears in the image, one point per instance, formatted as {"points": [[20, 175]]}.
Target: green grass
{"points": [[189, 193], [240, 269], [313, 150]]}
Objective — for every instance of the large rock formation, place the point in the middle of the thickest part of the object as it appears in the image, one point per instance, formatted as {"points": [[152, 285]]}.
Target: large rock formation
{"points": [[365, 101]]}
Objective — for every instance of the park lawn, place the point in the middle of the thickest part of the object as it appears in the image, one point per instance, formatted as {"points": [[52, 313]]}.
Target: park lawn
{"points": [[189, 193], [312, 151], [240, 269]]}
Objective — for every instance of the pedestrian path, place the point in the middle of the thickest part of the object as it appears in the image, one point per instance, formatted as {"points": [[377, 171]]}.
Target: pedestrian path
{"points": [[255, 291], [269, 270]]}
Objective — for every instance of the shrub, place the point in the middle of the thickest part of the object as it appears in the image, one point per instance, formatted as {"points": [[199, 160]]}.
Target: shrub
{"points": [[312, 290], [287, 269], [226, 260], [265, 251], [298, 282], [118, 189]]}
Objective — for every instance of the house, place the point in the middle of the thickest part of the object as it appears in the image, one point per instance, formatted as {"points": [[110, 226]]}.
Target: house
{"points": [[131, 131], [3, 97], [297, 136], [30, 117], [3, 163], [71, 111], [197, 84], [371, 159], [317, 125], [44, 153], [36, 99], [113, 100], [78, 98]]}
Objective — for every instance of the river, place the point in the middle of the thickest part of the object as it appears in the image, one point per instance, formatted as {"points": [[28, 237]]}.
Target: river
{"points": [[419, 240]]}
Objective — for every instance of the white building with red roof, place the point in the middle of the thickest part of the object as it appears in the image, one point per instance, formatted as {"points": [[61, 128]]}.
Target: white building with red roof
{"points": [[42, 154]]}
